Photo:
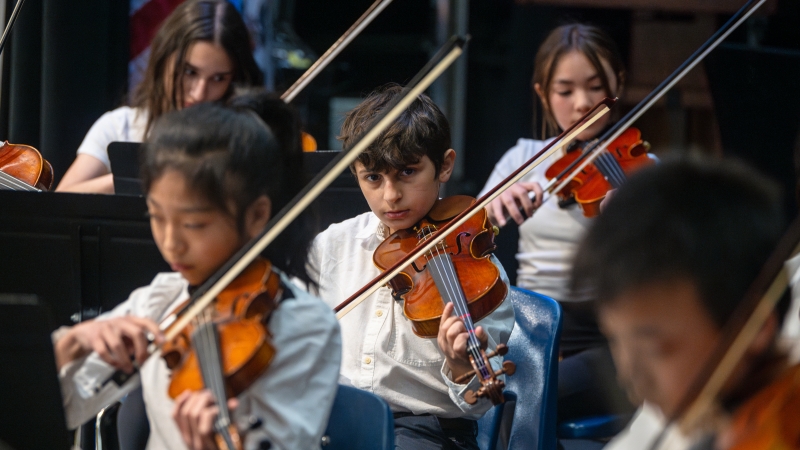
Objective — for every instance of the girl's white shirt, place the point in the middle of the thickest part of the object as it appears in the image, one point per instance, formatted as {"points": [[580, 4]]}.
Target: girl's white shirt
{"points": [[124, 124], [293, 397]]}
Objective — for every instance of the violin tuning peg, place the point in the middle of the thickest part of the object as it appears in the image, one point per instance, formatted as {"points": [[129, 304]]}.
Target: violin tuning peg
{"points": [[508, 368], [501, 349]]}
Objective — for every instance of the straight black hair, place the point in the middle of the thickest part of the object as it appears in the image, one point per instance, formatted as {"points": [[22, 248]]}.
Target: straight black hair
{"points": [[231, 158], [713, 223]]}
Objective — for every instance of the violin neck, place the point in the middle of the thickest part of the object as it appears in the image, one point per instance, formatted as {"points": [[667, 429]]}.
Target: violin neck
{"points": [[610, 168], [205, 340], [444, 275]]}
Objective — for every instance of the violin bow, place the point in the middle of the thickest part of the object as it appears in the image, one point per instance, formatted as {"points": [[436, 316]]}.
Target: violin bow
{"points": [[594, 150], [566, 136], [369, 15], [206, 292], [10, 25], [739, 332]]}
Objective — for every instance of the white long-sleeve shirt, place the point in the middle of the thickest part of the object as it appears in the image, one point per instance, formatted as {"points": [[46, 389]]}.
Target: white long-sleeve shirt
{"points": [[293, 397], [381, 354]]}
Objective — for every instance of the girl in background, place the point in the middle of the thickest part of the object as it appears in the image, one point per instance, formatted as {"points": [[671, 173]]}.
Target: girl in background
{"points": [[202, 49], [575, 68]]}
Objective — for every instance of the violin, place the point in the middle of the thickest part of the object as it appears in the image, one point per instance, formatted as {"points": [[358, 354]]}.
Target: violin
{"points": [[464, 253], [22, 168], [622, 156], [227, 347], [457, 270]]}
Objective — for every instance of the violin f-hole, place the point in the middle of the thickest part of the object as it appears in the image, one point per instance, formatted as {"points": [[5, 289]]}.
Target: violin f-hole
{"points": [[464, 234]]}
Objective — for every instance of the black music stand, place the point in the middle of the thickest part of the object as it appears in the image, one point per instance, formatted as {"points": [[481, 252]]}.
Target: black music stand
{"points": [[124, 159], [31, 411]]}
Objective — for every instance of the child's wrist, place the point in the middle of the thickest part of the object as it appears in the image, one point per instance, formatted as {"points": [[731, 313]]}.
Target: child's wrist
{"points": [[458, 369], [67, 348]]}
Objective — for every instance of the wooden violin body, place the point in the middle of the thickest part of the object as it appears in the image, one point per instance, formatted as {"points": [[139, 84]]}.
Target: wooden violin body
{"points": [[458, 271], [469, 248], [239, 315], [590, 185], [227, 348], [25, 164]]}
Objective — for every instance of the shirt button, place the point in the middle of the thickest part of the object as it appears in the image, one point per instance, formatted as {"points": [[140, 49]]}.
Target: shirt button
{"points": [[379, 313], [367, 360]]}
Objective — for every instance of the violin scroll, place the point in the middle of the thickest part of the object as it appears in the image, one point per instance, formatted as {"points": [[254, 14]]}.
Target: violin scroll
{"points": [[492, 388]]}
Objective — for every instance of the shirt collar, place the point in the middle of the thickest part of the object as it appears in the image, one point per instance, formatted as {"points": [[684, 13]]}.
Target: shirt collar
{"points": [[374, 228]]}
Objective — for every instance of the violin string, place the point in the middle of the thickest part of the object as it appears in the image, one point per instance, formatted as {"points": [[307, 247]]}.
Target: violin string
{"points": [[450, 293], [617, 176], [610, 169], [442, 263], [216, 368], [209, 359], [12, 183], [617, 168], [599, 163], [7, 180], [17, 183], [445, 282]]}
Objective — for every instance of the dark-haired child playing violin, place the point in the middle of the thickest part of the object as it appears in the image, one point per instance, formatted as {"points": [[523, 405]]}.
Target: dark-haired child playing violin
{"points": [[670, 260], [574, 69], [212, 177], [400, 176]]}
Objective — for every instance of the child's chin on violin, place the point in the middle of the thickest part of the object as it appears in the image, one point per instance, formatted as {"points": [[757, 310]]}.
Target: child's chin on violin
{"points": [[212, 176], [400, 176], [401, 197]]}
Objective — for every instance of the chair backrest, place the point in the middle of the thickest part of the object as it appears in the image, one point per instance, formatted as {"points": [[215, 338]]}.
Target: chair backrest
{"points": [[133, 428], [359, 420], [533, 347]]}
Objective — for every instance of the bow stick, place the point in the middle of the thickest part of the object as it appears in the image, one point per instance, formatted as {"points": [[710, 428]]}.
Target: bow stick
{"points": [[205, 294], [371, 13], [10, 25], [569, 134], [593, 151]]}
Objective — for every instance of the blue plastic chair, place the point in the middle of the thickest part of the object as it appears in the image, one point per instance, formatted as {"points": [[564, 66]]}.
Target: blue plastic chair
{"points": [[594, 428], [533, 347], [359, 421]]}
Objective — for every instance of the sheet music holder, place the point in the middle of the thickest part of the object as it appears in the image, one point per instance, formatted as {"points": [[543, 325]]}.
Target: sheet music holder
{"points": [[341, 201], [31, 411], [124, 159]]}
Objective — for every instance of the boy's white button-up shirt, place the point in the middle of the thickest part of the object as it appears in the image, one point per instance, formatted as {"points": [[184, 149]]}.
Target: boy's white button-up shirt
{"points": [[380, 352]]}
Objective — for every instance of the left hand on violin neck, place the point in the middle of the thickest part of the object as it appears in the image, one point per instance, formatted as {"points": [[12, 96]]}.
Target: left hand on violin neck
{"points": [[196, 413], [452, 340]]}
